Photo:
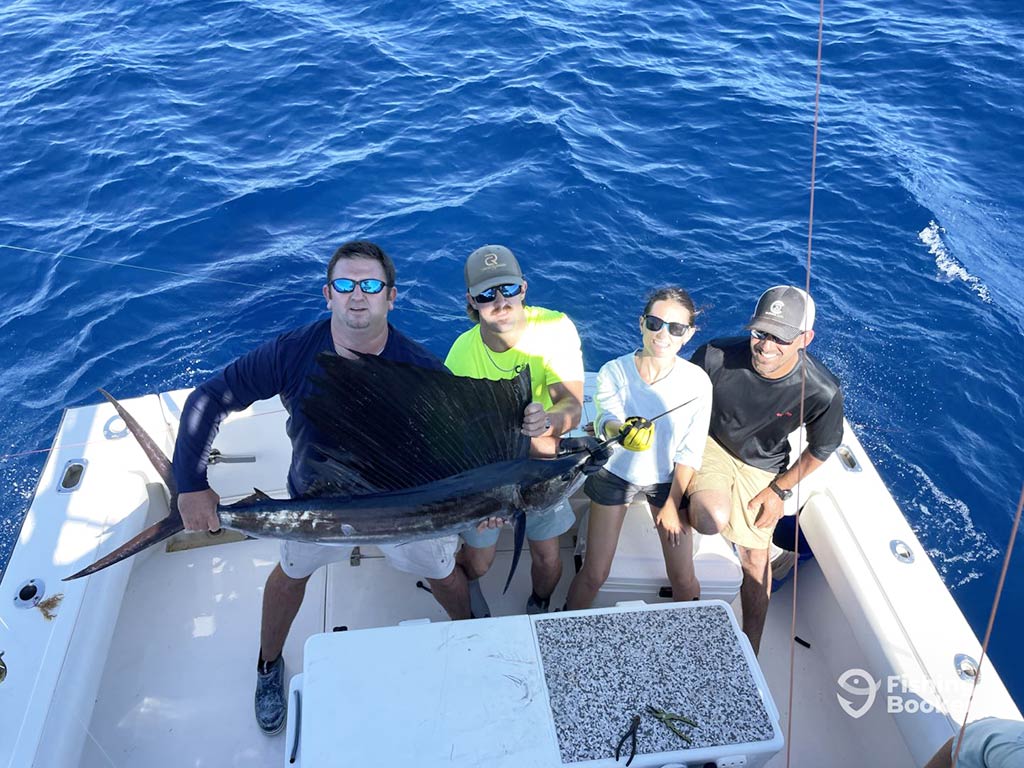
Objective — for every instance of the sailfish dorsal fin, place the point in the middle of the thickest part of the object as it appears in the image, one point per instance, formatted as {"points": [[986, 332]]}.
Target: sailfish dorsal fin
{"points": [[386, 425]]}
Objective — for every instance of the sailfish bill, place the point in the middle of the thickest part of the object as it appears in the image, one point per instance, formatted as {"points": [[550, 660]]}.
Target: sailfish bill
{"points": [[408, 453]]}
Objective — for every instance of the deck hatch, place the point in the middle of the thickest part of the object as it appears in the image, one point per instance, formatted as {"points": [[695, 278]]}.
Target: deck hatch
{"points": [[71, 476]]}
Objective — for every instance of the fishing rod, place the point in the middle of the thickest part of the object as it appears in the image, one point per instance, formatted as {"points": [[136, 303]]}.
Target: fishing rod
{"points": [[666, 413], [621, 436]]}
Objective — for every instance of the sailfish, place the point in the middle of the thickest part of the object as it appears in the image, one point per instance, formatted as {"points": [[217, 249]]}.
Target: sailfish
{"points": [[406, 453]]}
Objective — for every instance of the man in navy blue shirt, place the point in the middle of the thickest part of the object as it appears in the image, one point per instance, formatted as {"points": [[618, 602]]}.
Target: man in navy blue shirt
{"points": [[360, 291]]}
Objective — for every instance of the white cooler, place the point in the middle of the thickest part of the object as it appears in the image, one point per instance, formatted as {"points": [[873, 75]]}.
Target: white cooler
{"points": [[534, 692], [638, 570]]}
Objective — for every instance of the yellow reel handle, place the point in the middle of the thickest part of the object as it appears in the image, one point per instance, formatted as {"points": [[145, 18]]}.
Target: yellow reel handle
{"points": [[637, 434]]}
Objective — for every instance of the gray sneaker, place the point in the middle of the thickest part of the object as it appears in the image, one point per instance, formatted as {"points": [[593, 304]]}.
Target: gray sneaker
{"points": [[271, 705]]}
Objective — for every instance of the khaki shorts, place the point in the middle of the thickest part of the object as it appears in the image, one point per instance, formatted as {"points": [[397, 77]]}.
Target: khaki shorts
{"points": [[721, 471], [432, 558]]}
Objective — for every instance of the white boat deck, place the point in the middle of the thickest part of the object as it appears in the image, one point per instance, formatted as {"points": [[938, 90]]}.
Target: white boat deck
{"points": [[177, 686], [152, 662]]}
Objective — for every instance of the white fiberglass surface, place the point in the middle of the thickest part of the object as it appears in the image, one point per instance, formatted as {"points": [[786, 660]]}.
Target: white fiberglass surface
{"points": [[177, 689], [178, 684], [823, 734]]}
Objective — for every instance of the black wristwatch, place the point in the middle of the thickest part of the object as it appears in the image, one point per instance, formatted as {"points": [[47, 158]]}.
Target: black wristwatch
{"points": [[783, 493]]}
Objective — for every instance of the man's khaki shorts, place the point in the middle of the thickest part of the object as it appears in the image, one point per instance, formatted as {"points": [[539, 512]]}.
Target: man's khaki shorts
{"points": [[721, 471]]}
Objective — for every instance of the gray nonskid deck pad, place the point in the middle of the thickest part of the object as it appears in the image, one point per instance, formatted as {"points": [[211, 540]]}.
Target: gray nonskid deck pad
{"points": [[603, 669]]}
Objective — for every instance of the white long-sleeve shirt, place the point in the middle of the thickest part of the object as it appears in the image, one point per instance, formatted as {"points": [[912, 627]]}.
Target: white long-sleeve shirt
{"points": [[679, 437]]}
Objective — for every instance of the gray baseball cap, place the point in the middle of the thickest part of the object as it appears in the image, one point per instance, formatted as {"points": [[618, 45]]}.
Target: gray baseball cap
{"points": [[784, 311], [489, 266]]}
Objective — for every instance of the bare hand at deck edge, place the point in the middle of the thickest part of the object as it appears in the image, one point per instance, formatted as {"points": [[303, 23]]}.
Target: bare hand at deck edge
{"points": [[199, 510]]}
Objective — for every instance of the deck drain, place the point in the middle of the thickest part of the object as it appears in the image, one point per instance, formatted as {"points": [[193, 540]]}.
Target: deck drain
{"points": [[30, 594]]}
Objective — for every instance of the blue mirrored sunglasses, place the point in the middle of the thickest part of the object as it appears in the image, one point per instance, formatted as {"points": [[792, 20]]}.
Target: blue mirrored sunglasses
{"points": [[762, 336], [347, 285], [508, 290]]}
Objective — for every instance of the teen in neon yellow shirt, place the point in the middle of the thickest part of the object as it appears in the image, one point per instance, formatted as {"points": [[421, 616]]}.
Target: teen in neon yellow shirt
{"points": [[549, 345], [507, 335]]}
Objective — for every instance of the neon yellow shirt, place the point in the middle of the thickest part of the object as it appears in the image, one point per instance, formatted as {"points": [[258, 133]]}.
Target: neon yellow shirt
{"points": [[550, 345]]}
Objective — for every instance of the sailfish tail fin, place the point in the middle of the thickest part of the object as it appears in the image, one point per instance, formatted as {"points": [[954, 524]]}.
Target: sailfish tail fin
{"points": [[157, 532], [156, 457]]}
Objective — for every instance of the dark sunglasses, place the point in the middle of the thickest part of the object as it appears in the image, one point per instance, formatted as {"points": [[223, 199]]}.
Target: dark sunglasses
{"points": [[508, 290], [653, 323], [347, 285], [762, 336]]}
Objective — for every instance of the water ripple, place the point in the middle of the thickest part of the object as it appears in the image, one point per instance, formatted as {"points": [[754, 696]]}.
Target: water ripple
{"points": [[613, 146]]}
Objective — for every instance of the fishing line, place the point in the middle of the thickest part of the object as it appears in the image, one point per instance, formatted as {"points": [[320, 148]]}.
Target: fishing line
{"points": [[156, 269], [239, 283], [803, 395], [666, 413], [95, 741], [991, 622], [98, 441]]}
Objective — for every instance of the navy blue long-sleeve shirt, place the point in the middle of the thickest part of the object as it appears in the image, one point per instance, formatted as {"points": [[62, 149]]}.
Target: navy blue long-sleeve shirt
{"points": [[282, 367]]}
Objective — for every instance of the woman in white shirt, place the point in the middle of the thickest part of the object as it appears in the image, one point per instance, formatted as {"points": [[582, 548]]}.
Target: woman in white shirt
{"points": [[648, 382]]}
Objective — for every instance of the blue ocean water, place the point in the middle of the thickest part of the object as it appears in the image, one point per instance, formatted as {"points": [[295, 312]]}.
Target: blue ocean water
{"points": [[175, 176]]}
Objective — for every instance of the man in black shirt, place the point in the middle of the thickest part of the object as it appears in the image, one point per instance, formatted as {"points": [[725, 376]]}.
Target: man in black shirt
{"points": [[745, 476]]}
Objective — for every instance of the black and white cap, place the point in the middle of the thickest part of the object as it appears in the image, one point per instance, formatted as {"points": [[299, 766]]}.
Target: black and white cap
{"points": [[784, 311]]}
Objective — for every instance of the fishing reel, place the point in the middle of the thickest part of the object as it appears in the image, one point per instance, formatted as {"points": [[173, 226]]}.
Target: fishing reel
{"points": [[637, 434]]}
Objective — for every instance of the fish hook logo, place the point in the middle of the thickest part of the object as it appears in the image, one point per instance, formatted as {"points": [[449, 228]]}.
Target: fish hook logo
{"points": [[851, 682]]}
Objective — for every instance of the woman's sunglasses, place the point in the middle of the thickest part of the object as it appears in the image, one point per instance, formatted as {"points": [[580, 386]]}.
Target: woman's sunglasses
{"points": [[654, 323], [347, 285], [508, 291]]}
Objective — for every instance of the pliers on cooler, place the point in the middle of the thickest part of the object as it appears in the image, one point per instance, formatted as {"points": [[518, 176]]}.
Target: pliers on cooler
{"points": [[634, 724], [669, 720]]}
